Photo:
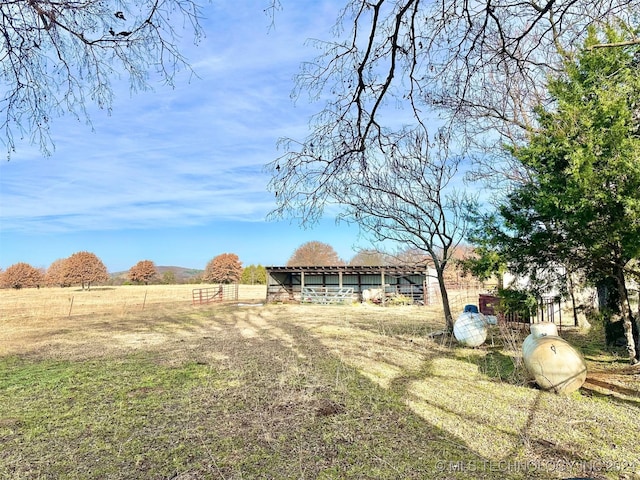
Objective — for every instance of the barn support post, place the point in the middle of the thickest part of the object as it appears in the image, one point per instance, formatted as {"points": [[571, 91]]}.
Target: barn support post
{"points": [[384, 290], [425, 292], [289, 280], [290, 286]]}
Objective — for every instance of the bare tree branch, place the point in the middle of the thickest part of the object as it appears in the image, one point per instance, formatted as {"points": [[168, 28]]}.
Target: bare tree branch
{"points": [[635, 41], [410, 199], [471, 71], [57, 56]]}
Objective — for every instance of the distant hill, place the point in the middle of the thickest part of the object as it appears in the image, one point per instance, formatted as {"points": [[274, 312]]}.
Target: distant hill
{"points": [[182, 275]]}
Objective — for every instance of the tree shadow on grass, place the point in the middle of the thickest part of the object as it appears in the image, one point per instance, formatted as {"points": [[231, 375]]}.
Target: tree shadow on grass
{"points": [[496, 365], [497, 373], [402, 389], [295, 404], [92, 289]]}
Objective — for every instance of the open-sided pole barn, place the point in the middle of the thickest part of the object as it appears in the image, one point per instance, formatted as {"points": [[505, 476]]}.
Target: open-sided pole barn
{"points": [[300, 283]]}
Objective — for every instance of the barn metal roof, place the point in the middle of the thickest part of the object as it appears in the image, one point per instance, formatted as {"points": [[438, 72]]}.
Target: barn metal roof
{"points": [[354, 270]]}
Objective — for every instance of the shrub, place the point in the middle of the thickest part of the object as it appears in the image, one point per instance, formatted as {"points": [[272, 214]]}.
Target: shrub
{"points": [[517, 302]]}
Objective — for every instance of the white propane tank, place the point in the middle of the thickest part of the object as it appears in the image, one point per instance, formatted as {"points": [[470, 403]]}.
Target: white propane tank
{"points": [[543, 329], [552, 362], [470, 329]]}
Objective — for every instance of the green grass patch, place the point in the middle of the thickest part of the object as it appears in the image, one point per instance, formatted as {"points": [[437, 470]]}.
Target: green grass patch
{"points": [[63, 419], [135, 417], [290, 392]]}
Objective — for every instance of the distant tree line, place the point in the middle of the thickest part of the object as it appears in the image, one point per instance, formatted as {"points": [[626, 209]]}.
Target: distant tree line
{"points": [[82, 268], [85, 269]]}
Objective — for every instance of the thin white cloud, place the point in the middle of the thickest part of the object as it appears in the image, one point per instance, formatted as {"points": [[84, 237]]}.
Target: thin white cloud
{"points": [[173, 157]]}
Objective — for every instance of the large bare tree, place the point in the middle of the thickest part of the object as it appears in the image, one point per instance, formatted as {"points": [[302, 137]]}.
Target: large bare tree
{"points": [[476, 68], [370, 257], [465, 74], [410, 198], [57, 57], [314, 253]]}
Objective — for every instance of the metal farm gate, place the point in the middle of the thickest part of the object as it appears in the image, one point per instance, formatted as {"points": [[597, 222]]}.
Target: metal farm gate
{"points": [[202, 296]]}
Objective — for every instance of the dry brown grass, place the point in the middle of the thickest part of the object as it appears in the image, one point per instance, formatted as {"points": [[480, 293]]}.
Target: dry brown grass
{"points": [[286, 391], [47, 303], [36, 319]]}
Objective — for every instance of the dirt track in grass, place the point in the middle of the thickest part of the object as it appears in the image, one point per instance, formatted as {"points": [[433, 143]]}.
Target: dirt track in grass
{"points": [[289, 391]]}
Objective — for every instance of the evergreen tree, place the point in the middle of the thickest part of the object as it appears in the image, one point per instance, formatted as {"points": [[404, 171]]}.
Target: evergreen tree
{"points": [[581, 207], [254, 275]]}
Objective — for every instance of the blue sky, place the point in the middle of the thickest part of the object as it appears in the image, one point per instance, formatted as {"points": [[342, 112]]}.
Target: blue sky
{"points": [[176, 175]]}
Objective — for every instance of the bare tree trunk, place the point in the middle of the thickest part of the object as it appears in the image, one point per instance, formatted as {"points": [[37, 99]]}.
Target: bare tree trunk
{"points": [[445, 300], [573, 300], [627, 317]]}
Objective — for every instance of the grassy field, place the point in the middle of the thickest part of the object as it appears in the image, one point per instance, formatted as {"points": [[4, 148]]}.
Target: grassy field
{"points": [[47, 303], [242, 390]]}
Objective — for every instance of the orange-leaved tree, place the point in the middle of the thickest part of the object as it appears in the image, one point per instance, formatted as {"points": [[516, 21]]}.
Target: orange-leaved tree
{"points": [[225, 268], [316, 254], [144, 271], [55, 274], [84, 268], [21, 275], [366, 257]]}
